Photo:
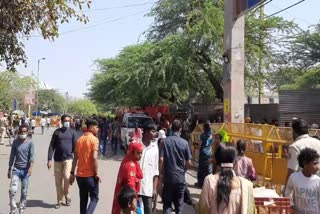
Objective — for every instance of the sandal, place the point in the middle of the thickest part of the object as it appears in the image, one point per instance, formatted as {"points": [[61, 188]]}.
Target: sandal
{"points": [[68, 201], [57, 206]]}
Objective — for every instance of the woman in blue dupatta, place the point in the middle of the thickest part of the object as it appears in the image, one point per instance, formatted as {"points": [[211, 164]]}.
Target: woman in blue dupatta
{"points": [[205, 167]]}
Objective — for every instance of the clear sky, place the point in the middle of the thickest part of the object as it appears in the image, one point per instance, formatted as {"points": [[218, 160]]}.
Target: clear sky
{"points": [[70, 59]]}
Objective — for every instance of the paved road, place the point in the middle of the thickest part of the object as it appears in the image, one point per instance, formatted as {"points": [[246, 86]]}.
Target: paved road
{"points": [[42, 196]]}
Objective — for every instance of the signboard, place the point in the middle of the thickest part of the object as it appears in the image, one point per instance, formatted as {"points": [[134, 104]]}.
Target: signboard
{"points": [[226, 106], [243, 6], [30, 98]]}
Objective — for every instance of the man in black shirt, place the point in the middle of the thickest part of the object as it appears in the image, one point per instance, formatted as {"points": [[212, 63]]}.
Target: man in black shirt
{"points": [[61, 149]]}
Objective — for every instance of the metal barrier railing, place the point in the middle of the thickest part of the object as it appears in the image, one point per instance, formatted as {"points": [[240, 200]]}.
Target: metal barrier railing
{"points": [[267, 146]]}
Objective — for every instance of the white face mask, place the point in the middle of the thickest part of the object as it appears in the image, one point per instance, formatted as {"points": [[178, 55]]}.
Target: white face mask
{"points": [[23, 136], [66, 124]]}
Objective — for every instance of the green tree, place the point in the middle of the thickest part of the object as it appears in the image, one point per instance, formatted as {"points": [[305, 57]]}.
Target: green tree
{"points": [[201, 23], [182, 61], [150, 74], [305, 48], [308, 80], [51, 99], [294, 63], [12, 86], [82, 107], [19, 19]]}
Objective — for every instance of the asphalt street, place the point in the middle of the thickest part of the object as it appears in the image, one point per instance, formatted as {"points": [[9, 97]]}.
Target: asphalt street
{"points": [[42, 193]]}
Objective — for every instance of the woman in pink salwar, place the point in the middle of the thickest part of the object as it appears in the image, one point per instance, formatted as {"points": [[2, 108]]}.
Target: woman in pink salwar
{"points": [[224, 192]]}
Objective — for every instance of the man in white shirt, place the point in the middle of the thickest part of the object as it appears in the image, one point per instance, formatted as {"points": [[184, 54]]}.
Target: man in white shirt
{"points": [[27, 121], [3, 127], [302, 140], [33, 124], [48, 122], [43, 124], [150, 167]]}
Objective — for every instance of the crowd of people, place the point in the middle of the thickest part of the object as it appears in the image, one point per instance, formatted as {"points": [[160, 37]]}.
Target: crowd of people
{"points": [[155, 164], [9, 125]]}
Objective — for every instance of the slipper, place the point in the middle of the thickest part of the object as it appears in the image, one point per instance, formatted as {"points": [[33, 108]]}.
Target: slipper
{"points": [[68, 201]]}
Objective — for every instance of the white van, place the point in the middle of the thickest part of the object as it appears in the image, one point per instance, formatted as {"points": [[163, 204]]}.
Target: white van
{"points": [[128, 124]]}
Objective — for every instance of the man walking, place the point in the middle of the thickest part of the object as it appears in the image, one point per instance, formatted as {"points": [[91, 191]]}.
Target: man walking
{"points": [[20, 168], [86, 157], [48, 121], [62, 148], [43, 124], [150, 169], [175, 157], [33, 124], [103, 132], [116, 132], [3, 127]]}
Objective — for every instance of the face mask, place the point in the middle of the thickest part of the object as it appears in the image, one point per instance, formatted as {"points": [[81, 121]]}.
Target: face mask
{"points": [[23, 136], [66, 124]]}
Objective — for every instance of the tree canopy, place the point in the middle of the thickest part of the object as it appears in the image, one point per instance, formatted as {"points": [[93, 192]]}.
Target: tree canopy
{"points": [[51, 99], [20, 18], [82, 107], [181, 61], [12, 86], [298, 65]]}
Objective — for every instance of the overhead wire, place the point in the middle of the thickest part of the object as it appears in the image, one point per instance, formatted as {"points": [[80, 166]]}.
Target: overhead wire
{"points": [[102, 23], [117, 7], [292, 14], [96, 25], [287, 8]]}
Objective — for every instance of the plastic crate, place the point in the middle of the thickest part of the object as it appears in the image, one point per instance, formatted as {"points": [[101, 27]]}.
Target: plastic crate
{"points": [[273, 205]]}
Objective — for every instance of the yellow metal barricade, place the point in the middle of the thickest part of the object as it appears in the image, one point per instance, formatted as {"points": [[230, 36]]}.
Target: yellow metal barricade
{"points": [[267, 146], [196, 141]]}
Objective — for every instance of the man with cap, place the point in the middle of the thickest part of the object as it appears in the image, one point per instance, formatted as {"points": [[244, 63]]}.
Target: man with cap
{"points": [[130, 173]]}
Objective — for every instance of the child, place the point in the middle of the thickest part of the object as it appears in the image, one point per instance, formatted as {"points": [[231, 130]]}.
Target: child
{"points": [[127, 199], [244, 166], [305, 184]]}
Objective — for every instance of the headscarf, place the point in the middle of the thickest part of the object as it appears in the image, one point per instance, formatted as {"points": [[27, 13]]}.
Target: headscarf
{"points": [[162, 134], [129, 168], [134, 146]]}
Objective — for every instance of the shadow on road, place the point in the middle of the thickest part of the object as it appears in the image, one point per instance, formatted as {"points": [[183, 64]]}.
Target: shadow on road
{"points": [[39, 203], [110, 156]]}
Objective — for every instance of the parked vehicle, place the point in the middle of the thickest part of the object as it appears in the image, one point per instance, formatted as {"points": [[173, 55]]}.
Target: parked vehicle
{"points": [[129, 122]]}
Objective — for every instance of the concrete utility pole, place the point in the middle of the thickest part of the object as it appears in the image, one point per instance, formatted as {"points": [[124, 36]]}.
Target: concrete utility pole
{"points": [[233, 80], [38, 85]]}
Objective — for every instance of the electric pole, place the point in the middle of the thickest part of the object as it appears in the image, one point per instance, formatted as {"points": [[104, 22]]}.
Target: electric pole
{"points": [[233, 79]]}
